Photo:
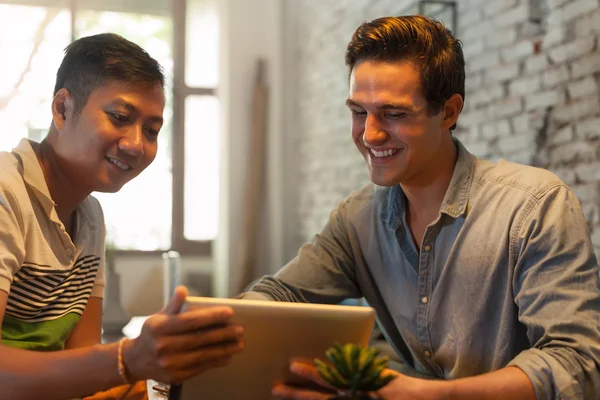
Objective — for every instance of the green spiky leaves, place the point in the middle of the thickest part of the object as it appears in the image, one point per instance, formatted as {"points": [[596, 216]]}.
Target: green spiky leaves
{"points": [[354, 368]]}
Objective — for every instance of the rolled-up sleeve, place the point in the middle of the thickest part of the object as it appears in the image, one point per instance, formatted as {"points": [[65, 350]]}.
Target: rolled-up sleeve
{"points": [[557, 291]]}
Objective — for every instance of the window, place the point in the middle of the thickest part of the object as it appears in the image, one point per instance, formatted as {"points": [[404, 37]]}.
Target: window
{"points": [[174, 203], [35, 52], [196, 82]]}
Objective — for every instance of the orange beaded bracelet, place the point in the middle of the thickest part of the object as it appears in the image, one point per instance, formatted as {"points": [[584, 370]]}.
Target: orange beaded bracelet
{"points": [[121, 364]]}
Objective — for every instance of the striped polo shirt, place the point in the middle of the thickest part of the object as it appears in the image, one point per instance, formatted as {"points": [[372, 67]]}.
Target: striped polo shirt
{"points": [[48, 277]]}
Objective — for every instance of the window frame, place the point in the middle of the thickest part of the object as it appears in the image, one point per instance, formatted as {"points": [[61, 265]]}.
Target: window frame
{"points": [[180, 93]]}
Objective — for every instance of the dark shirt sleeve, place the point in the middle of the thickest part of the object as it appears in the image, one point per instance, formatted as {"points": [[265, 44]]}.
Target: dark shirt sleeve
{"points": [[557, 291], [322, 272]]}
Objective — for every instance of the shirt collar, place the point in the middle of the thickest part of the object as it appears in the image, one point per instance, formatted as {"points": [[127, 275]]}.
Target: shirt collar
{"points": [[33, 174], [456, 197]]}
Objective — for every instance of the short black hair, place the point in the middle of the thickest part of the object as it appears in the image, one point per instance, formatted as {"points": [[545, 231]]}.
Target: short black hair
{"points": [[92, 61], [435, 52]]}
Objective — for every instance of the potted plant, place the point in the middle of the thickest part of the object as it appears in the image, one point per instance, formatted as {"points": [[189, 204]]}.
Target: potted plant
{"points": [[355, 370]]}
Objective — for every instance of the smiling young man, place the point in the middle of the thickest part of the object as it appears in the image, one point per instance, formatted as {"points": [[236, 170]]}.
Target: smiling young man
{"points": [[482, 274], [106, 116]]}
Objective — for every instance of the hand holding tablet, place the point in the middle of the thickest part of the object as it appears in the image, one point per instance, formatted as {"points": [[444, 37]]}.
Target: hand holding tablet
{"points": [[274, 334], [174, 345]]}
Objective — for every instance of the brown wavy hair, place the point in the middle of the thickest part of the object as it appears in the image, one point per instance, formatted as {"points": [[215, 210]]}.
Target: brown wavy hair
{"points": [[435, 52]]}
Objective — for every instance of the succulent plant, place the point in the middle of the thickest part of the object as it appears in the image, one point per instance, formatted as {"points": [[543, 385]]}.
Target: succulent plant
{"points": [[354, 370]]}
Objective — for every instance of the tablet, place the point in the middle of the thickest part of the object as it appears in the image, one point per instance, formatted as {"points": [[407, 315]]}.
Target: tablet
{"points": [[274, 333]]}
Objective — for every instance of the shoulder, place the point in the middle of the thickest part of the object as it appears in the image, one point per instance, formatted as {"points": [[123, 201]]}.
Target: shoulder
{"points": [[93, 229], [360, 196], [7, 161], [12, 185], [92, 210], [513, 177], [10, 176], [367, 201]]}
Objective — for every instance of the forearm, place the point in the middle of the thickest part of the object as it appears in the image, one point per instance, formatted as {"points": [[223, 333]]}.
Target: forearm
{"points": [[311, 277], [507, 383], [58, 375]]}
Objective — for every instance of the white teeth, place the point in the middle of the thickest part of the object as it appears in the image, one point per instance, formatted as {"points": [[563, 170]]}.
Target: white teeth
{"points": [[384, 153], [119, 164]]}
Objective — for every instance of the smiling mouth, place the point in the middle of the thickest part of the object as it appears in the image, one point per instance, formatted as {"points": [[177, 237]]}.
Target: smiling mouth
{"points": [[119, 164], [384, 153]]}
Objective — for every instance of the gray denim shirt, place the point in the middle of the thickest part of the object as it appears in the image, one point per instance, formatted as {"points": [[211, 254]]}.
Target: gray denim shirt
{"points": [[506, 276]]}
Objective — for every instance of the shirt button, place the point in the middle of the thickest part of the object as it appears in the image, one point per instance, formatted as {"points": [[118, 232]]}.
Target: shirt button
{"points": [[427, 354], [427, 248], [424, 300]]}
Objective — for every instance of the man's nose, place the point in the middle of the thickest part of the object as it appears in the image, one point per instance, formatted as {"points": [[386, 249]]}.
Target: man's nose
{"points": [[374, 132], [132, 143]]}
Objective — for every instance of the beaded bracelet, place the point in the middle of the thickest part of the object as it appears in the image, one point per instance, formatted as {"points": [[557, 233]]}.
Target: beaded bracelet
{"points": [[121, 364]]}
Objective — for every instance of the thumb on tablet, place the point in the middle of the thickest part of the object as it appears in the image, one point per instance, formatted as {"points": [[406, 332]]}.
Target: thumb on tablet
{"points": [[175, 303]]}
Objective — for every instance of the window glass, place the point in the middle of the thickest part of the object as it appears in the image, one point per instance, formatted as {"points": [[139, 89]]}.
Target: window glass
{"points": [[201, 197]]}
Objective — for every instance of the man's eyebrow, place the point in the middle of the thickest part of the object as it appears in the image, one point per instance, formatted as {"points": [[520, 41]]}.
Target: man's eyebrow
{"points": [[397, 106], [385, 106], [131, 108], [351, 103]]}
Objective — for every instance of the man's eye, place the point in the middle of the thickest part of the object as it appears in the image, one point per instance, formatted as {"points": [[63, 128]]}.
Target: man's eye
{"points": [[119, 117], [357, 112], [395, 115], [152, 132]]}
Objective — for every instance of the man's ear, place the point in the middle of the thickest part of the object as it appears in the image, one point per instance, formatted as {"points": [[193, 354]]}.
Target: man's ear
{"points": [[62, 108], [452, 110]]}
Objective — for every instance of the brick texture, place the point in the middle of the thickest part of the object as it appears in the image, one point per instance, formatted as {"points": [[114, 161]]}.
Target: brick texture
{"points": [[533, 77]]}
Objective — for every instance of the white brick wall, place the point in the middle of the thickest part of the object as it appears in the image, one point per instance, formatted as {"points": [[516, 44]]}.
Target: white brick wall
{"points": [[555, 76], [495, 6], [501, 73], [548, 98], [572, 50], [589, 24], [582, 88], [517, 51], [534, 106], [577, 110], [588, 129], [578, 8], [510, 17], [536, 63], [555, 35], [588, 172], [506, 108], [563, 136], [508, 37], [586, 66]]}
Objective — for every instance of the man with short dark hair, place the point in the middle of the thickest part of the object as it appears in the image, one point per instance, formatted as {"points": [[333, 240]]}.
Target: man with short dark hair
{"points": [[106, 116], [482, 274]]}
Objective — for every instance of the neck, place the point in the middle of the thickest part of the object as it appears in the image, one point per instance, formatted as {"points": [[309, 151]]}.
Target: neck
{"points": [[67, 195], [425, 193]]}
